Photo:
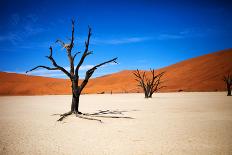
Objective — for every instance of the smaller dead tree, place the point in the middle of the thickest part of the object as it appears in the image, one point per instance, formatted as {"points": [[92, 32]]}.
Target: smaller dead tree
{"points": [[149, 85], [228, 81]]}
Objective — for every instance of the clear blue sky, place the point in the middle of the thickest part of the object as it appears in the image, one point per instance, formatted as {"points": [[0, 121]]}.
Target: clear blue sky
{"points": [[141, 33]]}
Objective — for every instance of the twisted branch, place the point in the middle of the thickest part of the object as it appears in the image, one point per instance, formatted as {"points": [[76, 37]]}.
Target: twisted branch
{"points": [[56, 66]]}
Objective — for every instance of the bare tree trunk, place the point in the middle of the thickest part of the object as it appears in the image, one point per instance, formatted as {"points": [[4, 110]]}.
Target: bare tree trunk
{"points": [[228, 90], [150, 95], [75, 103], [75, 97], [228, 81], [146, 95]]}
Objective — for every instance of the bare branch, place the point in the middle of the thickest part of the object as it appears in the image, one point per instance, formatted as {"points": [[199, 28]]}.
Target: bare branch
{"points": [[56, 65], [75, 55], [156, 85], [69, 48], [48, 68], [140, 78], [60, 42], [86, 52], [73, 30], [90, 72], [106, 62]]}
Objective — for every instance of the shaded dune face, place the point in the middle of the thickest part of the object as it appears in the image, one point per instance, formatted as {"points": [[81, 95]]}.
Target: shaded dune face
{"points": [[202, 73]]}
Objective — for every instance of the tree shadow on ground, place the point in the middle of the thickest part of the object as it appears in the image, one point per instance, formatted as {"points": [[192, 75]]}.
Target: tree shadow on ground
{"points": [[103, 114]]}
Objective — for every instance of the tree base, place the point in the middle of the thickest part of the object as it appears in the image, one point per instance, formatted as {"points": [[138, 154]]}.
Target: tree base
{"points": [[62, 116], [78, 114], [89, 116]]}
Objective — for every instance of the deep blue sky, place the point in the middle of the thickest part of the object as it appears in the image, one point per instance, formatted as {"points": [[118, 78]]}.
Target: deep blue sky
{"points": [[141, 33]]}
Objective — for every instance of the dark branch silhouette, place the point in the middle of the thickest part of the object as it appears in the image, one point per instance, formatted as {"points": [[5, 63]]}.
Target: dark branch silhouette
{"points": [[228, 81], [149, 85], [73, 73]]}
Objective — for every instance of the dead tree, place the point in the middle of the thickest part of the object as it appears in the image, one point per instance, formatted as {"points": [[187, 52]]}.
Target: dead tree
{"points": [[228, 81], [149, 85], [73, 73]]}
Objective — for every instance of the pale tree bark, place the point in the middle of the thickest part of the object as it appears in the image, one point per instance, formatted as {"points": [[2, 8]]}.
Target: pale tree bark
{"points": [[149, 85], [73, 73]]}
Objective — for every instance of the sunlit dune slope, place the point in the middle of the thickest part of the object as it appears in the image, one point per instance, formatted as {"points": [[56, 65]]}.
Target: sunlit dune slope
{"points": [[202, 73]]}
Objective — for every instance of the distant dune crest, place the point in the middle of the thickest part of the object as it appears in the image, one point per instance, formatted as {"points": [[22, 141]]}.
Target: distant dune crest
{"points": [[202, 73]]}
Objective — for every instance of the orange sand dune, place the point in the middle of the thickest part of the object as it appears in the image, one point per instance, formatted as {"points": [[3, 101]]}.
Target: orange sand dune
{"points": [[203, 73], [19, 84]]}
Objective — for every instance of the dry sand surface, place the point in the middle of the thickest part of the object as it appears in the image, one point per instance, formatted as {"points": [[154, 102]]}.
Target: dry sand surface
{"points": [[169, 123]]}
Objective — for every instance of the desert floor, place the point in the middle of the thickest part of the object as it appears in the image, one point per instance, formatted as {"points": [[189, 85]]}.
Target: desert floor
{"points": [[169, 123]]}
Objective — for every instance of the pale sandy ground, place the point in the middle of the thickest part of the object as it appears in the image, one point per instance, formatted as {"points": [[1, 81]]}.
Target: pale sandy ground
{"points": [[169, 123]]}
